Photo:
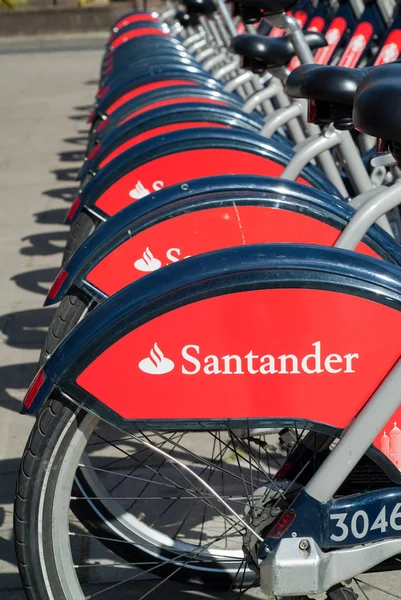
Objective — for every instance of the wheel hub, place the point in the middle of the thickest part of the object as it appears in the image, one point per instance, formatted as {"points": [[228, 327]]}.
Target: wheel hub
{"points": [[260, 515]]}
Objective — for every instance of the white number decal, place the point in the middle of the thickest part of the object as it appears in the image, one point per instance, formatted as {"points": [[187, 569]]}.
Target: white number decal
{"points": [[380, 522], [396, 514], [354, 524], [360, 524], [340, 523]]}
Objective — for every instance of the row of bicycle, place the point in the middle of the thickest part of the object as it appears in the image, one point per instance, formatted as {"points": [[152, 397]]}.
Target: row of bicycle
{"points": [[228, 419]]}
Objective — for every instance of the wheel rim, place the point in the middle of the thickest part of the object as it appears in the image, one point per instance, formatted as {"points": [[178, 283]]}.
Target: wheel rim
{"points": [[154, 542]]}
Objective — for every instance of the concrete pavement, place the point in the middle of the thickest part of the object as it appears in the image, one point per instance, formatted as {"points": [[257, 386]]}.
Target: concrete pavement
{"points": [[43, 106]]}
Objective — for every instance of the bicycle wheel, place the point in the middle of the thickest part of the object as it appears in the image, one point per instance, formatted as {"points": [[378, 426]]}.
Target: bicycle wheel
{"points": [[80, 229], [178, 505], [70, 311]]}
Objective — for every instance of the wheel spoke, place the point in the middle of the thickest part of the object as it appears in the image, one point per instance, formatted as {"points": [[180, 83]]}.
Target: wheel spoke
{"points": [[379, 589], [200, 490]]}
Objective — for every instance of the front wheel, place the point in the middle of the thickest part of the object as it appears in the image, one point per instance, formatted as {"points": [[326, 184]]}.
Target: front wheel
{"points": [[156, 518], [151, 506]]}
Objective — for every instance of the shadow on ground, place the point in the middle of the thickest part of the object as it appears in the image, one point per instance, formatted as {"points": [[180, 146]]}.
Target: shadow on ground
{"points": [[26, 329]]}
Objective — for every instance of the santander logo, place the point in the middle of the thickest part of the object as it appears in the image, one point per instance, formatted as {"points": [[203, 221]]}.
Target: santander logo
{"points": [[358, 43], [333, 36], [388, 53], [147, 263], [156, 363], [193, 362], [140, 191]]}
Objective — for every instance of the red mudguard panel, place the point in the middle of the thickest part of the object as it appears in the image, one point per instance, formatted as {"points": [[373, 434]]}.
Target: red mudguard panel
{"points": [[169, 102], [333, 36], [357, 44], [124, 21], [150, 133], [129, 35], [281, 353], [203, 231], [148, 87], [391, 48], [182, 166]]}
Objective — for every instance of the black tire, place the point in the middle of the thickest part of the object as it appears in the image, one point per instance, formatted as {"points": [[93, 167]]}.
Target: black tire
{"points": [[70, 310], [50, 424], [39, 476], [81, 229]]}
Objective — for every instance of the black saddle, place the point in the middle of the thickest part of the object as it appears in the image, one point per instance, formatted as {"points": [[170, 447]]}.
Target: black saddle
{"points": [[270, 7], [330, 90], [377, 106], [260, 53], [252, 11], [200, 7], [186, 20]]}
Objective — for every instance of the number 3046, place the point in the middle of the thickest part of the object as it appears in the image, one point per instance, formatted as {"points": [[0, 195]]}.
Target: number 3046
{"points": [[359, 524]]}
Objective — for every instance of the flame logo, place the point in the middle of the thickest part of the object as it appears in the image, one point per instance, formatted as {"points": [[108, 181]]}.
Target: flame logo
{"points": [[388, 53], [358, 43], [139, 191], [156, 363], [333, 36], [147, 263]]}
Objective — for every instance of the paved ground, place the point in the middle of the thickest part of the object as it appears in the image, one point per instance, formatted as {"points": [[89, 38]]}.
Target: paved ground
{"points": [[43, 105], [45, 92]]}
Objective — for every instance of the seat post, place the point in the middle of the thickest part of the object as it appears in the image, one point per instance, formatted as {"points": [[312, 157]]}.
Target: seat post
{"points": [[225, 15], [294, 32], [296, 36]]}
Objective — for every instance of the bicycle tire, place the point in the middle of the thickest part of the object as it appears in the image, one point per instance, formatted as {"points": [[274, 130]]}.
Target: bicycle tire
{"points": [[80, 229]]}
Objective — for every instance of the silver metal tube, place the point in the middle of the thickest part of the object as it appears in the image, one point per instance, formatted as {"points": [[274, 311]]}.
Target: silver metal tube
{"points": [[354, 164], [204, 54], [198, 46], [363, 198], [312, 148], [260, 83], [367, 215], [237, 81], [167, 14], [250, 29], [225, 15], [297, 38], [249, 89], [214, 61], [226, 38], [387, 7], [216, 34], [294, 127], [193, 39], [261, 95], [357, 438], [279, 118], [227, 69], [359, 6], [205, 23], [324, 160]]}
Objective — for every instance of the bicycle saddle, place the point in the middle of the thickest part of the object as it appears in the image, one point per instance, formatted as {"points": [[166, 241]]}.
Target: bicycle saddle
{"points": [[260, 53], [328, 84], [269, 7], [330, 90], [186, 20], [200, 7], [377, 109]]}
